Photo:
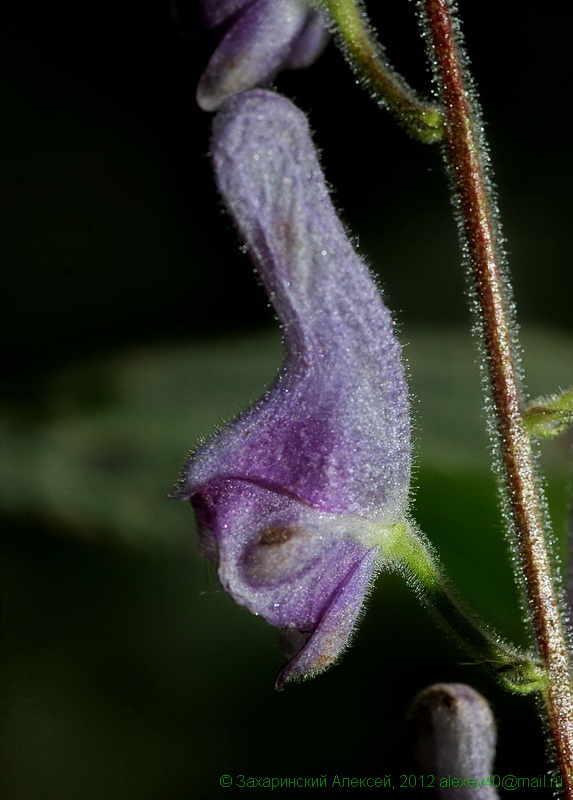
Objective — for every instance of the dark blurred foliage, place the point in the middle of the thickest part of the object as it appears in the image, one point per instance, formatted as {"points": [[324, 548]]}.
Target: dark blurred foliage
{"points": [[128, 673], [111, 229]]}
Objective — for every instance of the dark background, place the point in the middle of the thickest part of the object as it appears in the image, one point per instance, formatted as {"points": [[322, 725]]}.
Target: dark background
{"points": [[112, 231], [128, 674]]}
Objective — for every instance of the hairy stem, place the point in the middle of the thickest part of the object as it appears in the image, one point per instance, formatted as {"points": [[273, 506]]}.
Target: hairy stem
{"points": [[413, 557], [569, 585], [466, 157], [418, 116]]}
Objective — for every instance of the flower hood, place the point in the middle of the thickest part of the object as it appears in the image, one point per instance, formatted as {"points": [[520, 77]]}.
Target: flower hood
{"points": [[291, 495]]}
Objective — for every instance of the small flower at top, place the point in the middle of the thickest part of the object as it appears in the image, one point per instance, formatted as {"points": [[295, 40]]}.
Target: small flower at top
{"points": [[295, 498], [259, 38]]}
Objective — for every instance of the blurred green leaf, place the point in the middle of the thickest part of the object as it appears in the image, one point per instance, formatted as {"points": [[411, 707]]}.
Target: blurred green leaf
{"points": [[110, 438], [131, 674]]}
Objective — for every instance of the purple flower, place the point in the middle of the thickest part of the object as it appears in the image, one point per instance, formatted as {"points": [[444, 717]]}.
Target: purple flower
{"points": [[259, 38], [295, 496]]}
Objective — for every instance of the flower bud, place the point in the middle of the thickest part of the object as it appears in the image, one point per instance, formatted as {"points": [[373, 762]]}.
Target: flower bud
{"points": [[454, 736], [258, 40]]}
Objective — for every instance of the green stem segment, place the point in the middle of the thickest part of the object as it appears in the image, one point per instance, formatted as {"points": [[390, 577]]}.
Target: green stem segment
{"points": [[407, 550], [465, 153], [548, 417], [419, 117]]}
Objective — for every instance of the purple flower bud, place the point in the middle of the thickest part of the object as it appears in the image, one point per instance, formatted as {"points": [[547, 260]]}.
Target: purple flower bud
{"points": [[452, 731], [260, 38], [294, 496]]}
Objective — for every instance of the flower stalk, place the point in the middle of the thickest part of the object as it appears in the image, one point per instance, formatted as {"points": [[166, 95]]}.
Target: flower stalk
{"points": [[408, 552], [465, 154], [418, 116]]}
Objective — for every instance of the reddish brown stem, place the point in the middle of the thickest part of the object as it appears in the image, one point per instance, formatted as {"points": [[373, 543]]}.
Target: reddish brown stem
{"points": [[522, 494]]}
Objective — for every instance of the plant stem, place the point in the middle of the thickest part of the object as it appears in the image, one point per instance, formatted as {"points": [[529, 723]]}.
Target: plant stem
{"points": [[412, 556], [569, 582], [465, 153], [418, 116]]}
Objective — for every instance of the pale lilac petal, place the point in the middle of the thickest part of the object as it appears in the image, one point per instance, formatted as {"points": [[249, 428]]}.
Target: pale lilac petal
{"points": [[261, 38], [300, 569], [334, 429], [265, 542], [317, 652], [252, 51], [309, 43], [293, 496]]}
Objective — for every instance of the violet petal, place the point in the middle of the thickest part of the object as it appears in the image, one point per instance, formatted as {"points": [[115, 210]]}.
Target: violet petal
{"points": [[332, 634], [293, 496], [260, 41], [309, 43], [267, 542], [334, 429]]}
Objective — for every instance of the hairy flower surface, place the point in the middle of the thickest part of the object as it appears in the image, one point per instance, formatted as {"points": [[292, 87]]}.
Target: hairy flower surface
{"points": [[259, 38], [295, 496]]}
